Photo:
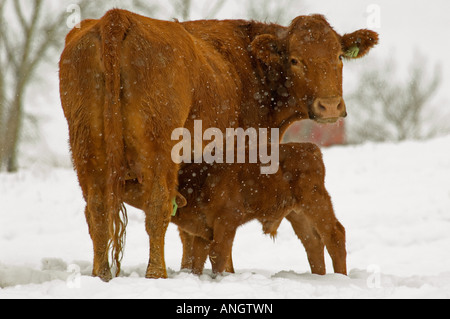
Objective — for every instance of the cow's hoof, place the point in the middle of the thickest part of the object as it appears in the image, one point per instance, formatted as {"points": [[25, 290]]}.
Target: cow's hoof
{"points": [[104, 275], [155, 273]]}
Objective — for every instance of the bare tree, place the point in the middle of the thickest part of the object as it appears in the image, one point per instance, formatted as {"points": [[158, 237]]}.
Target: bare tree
{"points": [[184, 8], [27, 34], [388, 109], [3, 63]]}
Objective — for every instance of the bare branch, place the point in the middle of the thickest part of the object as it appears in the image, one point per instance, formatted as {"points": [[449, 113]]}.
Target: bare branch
{"points": [[8, 47], [145, 7], [2, 82], [392, 110], [30, 32], [20, 16], [185, 9], [262, 10]]}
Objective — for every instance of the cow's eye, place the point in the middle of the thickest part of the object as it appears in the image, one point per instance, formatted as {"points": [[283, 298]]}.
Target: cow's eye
{"points": [[294, 61]]}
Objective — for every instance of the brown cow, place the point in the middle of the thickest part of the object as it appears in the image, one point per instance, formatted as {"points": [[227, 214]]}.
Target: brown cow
{"points": [[223, 197], [127, 81]]}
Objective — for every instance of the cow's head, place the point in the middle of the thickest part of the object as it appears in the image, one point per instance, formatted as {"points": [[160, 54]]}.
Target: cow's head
{"points": [[304, 65]]}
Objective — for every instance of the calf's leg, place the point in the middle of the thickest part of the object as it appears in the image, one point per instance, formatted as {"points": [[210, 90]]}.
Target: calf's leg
{"points": [[322, 218], [221, 247], [188, 249], [310, 239], [200, 252]]}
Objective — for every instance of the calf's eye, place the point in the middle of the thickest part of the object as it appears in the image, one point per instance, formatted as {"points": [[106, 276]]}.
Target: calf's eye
{"points": [[294, 61]]}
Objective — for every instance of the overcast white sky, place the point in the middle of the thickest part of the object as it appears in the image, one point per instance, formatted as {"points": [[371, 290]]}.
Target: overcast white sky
{"points": [[404, 25]]}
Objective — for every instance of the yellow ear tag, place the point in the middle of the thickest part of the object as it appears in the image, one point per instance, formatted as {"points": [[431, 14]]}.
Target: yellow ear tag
{"points": [[175, 206], [352, 52]]}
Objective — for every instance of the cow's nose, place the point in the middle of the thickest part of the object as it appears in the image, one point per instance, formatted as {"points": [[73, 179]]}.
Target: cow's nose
{"points": [[329, 108]]}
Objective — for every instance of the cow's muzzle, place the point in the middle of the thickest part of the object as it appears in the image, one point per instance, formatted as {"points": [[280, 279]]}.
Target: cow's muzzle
{"points": [[328, 110]]}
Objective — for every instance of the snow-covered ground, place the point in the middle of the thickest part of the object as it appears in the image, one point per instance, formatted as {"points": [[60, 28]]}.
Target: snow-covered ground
{"points": [[393, 199]]}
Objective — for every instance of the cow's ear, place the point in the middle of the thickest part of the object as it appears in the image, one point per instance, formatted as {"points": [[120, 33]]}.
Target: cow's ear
{"points": [[357, 44], [267, 49]]}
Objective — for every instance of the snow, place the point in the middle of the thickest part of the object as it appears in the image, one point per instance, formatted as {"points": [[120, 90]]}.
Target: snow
{"points": [[393, 199]]}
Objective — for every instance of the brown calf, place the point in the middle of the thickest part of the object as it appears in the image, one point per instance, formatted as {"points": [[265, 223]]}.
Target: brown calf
{"points": [[222, 197]]}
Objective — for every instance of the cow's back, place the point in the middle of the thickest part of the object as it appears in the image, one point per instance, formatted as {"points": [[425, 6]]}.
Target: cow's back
{"points": [[230, 40]]}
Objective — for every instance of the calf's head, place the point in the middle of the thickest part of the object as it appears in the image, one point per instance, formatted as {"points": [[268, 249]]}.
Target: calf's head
{"points": [[303, 64]]}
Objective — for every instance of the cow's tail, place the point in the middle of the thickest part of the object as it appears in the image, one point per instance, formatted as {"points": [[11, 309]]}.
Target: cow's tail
{"points": [[113, 31]]}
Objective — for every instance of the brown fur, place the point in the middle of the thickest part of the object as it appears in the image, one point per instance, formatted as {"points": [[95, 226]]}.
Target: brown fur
{"points": [[127, 81], [223, 197]]}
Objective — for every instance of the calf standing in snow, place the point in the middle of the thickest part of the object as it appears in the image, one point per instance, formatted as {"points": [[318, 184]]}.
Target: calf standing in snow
{"points": [[222, 197]]}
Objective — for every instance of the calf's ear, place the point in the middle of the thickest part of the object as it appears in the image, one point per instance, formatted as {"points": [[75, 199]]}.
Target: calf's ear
{"points": [[357, 44], [267, 49]]}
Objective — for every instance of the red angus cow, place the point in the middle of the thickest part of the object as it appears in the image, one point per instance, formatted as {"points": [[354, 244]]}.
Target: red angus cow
{"points": [[127, 81]]}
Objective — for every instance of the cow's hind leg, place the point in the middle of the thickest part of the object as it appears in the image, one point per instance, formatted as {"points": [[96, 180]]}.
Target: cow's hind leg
{"points": [[96, 218], [157, 217], [160, 185], [153, 200]]}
